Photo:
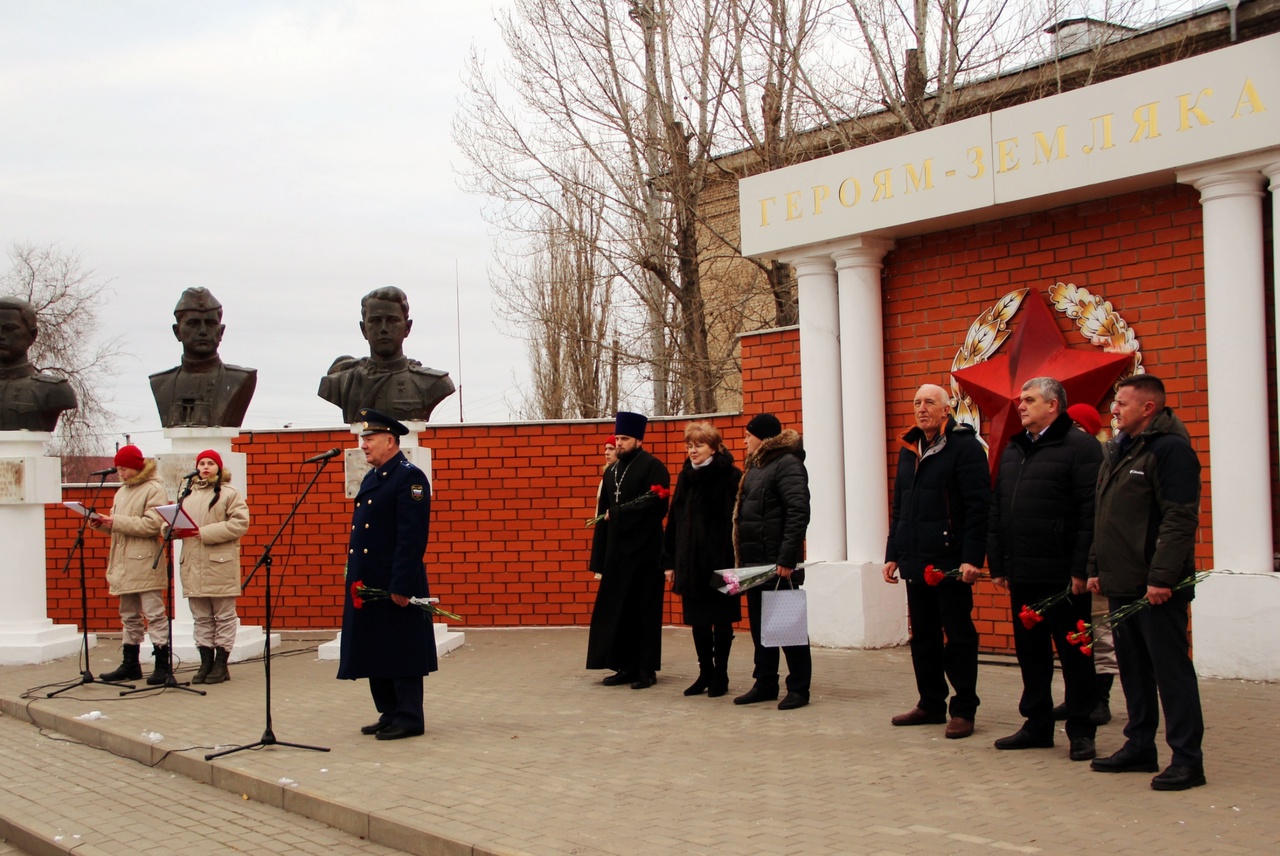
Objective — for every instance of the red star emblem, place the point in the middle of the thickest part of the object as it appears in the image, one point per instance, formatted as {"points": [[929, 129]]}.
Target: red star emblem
{"points": [[1036, 348]]}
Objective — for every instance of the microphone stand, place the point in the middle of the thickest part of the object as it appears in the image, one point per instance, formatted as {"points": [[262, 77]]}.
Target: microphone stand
{"points": [[264, 561], [166, 549], [86, 677]]}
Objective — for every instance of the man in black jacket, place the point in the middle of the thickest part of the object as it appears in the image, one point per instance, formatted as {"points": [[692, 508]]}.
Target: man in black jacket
{"points": [[769, 524], [1148, 510], [1038, 544], [941, 501]]}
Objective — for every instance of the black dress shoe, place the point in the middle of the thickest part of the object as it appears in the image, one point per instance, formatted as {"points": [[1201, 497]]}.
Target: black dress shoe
{"points": [[374, 727], [644, 680], [792, 700], [1127, 760], [617, 679], [1060, 712], [1023, 739], [398, 732], [1083, 749], [718, 687], [757, 694], [1176, 777]]}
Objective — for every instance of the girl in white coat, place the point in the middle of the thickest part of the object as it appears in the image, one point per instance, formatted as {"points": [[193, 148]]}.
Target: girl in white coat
{"points": [[211, 564]]}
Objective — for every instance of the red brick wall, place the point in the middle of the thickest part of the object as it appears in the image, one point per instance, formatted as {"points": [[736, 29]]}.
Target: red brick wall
{"points": [[508, 542], [1141, 251]]}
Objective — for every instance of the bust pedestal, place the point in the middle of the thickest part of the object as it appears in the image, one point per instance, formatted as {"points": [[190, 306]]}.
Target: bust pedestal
{"points": [[354, 470], [28, 481], [172, 466]]}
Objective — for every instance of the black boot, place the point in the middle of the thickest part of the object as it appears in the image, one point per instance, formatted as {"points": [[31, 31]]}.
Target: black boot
{"points": [[206, 663], [128, 670], [1101, 714], [163, 666], [702, 644], [720, 661], [219, 672]]}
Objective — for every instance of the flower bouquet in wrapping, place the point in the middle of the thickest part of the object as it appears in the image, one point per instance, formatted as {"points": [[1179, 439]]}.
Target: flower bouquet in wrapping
{"points": [[362, 594], [740, 579], [1032, 615], [657, 491], [1084, 633]]}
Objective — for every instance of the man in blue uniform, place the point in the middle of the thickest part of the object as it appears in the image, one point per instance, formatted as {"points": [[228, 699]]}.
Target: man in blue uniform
{"points": [[389, 641]]}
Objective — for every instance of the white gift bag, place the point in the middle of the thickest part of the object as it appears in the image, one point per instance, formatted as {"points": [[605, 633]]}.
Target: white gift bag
{"points": [[784, 618]]}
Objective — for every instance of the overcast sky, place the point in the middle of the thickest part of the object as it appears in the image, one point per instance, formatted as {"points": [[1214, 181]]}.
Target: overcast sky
{"points": [[289, 155]]}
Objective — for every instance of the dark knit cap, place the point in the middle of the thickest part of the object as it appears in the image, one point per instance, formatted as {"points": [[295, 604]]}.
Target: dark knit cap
{"points": [[764, 426]]}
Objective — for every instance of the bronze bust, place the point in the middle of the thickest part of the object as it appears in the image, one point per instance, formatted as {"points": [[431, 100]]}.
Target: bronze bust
{"points": [[30, 400], [385, 380], [203, 391]]}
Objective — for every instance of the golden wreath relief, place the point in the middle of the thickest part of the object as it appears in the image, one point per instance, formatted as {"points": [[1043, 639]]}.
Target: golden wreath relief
{"points": [[1098, 321]]}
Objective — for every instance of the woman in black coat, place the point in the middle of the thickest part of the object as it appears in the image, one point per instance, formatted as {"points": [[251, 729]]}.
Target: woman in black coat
{"points": [[699, 540]]}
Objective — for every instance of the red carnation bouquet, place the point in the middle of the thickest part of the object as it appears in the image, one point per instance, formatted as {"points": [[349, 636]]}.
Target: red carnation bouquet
{"points": [[1032, 615], [657, 491], [933, 576], [1084, 633], [362, 594]]}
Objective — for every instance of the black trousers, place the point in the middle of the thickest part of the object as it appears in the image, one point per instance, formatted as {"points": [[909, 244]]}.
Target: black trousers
{"points": [[399, 701], [1034, 649], [799, 659], [935, 610], [1155, 663]]}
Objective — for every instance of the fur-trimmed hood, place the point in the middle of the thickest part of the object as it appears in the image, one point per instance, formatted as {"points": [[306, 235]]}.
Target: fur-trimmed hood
{"points": [[146, 474], [788, 442]]}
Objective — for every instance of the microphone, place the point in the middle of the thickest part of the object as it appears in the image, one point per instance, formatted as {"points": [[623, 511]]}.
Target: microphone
{"points": [[192, 474], [323, 456], [109, 471]]}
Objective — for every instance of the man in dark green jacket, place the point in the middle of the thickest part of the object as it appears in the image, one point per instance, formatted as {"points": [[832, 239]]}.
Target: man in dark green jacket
{"points": [[1147, 512]]}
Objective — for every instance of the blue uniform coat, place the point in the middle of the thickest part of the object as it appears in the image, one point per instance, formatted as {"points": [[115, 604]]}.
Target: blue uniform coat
{"points": [[389, 526]]}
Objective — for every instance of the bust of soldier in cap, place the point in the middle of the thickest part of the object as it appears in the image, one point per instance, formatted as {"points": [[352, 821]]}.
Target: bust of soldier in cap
{"points": [[203, 390], [386, 379], [30, 400]]}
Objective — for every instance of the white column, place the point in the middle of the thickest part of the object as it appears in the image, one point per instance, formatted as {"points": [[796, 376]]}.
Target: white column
{"points": [[820, 400], [858, 266], [29, 481], [1235, 334], [1272, 172]]}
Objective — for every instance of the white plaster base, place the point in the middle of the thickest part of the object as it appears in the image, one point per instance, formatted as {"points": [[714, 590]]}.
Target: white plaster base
{"points": [[446, 641], [38, 641], [851, 606], [1233, 626]]}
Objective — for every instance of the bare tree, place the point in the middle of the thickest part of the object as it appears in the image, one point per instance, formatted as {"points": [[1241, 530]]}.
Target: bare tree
{"points": [[562, 295], [635, 88], [650, 93], [68, 299]]}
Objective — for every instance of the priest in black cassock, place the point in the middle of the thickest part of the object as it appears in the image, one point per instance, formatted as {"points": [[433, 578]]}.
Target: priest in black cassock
{"points": [[626, 622]]}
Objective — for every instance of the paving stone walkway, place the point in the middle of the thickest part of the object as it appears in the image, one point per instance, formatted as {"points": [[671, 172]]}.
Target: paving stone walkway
{"points": [[526, 753]]}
